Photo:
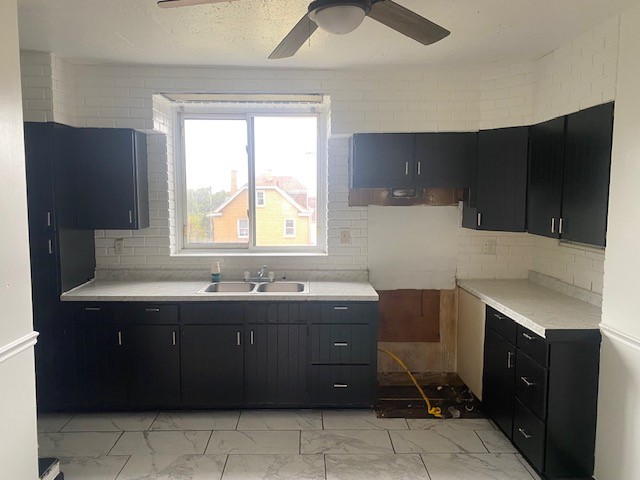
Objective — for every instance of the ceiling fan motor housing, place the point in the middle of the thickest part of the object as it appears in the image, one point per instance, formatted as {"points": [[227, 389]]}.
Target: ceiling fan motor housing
{"points": [[318, 5], [339, 16]]}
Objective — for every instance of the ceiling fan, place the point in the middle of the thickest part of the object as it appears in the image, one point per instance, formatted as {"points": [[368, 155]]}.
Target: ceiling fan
{"points": [[341, 17]]}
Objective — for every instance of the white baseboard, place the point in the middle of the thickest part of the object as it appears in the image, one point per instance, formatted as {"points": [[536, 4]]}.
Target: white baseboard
{"points": [[17, 346], [620, 337]]}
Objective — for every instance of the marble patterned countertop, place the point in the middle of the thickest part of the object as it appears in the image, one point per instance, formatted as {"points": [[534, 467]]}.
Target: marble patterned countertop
{"points": [[187, 291], [535, 307]]}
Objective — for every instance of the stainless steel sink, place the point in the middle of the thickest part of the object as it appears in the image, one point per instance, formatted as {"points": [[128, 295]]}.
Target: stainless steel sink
{"points": [[283, 287], [228, 287]]}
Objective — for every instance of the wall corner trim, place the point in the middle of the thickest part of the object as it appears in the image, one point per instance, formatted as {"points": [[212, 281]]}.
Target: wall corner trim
{"points": [[620, 337], [9, 350]]}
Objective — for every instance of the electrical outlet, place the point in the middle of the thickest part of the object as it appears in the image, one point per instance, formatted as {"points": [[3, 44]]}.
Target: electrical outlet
{"points": [[490, 247], [119, 246], [345, 237]]}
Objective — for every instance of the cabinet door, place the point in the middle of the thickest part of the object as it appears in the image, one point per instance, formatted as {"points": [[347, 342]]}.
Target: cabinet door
{"points": [[154, 365], [545, 178], [499, 380], [381, 160], [276, 364], [212, 365], [444, 160], [111, 171], [585, 197], [501, 180], [103, 381], [39, 169]]}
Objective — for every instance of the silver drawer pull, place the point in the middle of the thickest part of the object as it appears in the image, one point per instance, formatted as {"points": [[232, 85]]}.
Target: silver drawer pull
{"points": [[151, 309], [406, 168], [340, 385], [510, 359], [238, 338], [341, 308], [130, 216], [340, 344], [50, 247], [92, 309], [48, 219], [499, 317], [251, 337], [174, 338], [119, 339], [524, 433], [553, 225], [528, 337], [528, 382]]}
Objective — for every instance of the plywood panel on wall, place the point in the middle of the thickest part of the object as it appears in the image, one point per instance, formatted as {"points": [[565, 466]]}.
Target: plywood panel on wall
{"points": [[409, 316], [471, 320]]}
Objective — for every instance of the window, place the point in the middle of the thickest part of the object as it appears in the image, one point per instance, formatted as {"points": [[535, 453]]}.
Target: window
{"points": [[289, 228], [233, 164], [243, 228]]}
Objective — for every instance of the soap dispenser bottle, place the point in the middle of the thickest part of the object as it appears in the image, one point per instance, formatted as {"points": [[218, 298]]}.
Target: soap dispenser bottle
{"points": [[215, 272]]}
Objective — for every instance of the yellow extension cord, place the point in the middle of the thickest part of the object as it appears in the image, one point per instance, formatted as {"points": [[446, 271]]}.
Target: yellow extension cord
{"points": [[435, 411]]}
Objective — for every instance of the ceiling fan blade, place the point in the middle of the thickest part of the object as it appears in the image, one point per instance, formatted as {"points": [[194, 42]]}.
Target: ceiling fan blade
{"points": [[187, 3], [295, 38], [407, 22]]}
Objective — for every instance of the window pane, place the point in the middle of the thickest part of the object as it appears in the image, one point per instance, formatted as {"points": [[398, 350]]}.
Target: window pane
{"points": [[287, 171], [216, 176]]}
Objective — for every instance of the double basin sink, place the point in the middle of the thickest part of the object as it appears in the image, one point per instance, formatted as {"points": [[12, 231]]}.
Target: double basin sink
{"points": [[256, 288]]}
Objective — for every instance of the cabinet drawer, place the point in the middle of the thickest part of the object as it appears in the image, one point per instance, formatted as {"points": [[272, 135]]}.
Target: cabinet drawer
{"points": [[340, 344], [211, 313], [533, 345], [155, 314], [501, 324], [343, 385], [349, 312], [529, 435], [531, 384]]}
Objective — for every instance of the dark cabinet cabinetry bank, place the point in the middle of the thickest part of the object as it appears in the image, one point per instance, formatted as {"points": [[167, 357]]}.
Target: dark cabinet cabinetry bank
{"points": [[542, 393], [208, 355]]}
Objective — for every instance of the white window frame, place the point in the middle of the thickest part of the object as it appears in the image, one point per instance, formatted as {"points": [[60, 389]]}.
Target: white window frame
{"points": [[249, 112], [293, 227], [243, 228], [260, 194]]}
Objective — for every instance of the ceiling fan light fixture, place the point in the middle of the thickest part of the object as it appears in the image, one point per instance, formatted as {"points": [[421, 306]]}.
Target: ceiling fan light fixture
{"points": [[338, 18]]}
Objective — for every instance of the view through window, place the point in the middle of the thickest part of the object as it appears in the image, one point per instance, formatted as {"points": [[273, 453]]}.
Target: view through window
{"points": [[220, 153]]}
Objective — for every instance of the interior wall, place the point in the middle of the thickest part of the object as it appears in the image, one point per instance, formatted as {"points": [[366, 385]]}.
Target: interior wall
{"points": [[618, 431], [18, 443]]}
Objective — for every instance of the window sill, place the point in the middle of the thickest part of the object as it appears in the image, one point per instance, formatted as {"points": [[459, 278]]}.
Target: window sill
{"points": [[233, 253]]}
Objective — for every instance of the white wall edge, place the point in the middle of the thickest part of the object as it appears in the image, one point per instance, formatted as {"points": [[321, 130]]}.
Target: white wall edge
{"points": [[17, 346], [620, 337]]}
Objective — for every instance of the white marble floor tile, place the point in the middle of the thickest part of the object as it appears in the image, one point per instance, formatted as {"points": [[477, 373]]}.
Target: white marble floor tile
{"points": [[280, 420], [53, 422], [274, 467], [360, 420], [486, 466], [438, 439], [345, 441], [255, 442], [216, 420], [92, 468], [378, 467], [161, 443], [110, 422], [82, 444], [496, 442], [174, 467], [529, 468], [459, 424]]}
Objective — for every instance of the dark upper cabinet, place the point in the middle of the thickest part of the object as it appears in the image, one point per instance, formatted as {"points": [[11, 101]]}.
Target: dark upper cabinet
{"points": [[498, 194], [587, 166], [113, 179], [546, 160], [381, 160], [445, 160]]}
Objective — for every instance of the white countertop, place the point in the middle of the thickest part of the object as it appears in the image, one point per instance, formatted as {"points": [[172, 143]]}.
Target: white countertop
{"points": [[187, 291], [537, 308]]}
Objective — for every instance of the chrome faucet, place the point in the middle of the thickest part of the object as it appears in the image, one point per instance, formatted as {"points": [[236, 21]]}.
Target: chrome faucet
{"points": [[263, 275], [263, 272]]}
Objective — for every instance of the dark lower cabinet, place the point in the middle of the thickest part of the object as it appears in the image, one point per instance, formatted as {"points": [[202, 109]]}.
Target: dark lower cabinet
{"points": [[548, 408], [342, 385], [212, 365]]}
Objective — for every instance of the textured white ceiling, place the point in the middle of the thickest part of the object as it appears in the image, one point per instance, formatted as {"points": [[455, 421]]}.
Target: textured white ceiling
{"points": [[244, 32]]}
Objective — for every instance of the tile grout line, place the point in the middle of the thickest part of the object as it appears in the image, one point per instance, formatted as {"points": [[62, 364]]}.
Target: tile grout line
{"points": [[393, 447], [204, 452], [324, 459], [226, 461], [481, 441], [125, 464], [524, 464], [114, 444], [425, 465]]}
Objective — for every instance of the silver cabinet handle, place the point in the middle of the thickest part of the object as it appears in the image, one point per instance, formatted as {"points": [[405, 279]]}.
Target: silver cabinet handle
{"points": [[50, 247], [406, 168], [419, 167], [340, 385], [528, 337], [340, 344], [499, 317], [509, 359], [130, 216], [119, 339], [91, 309], [341, 308], [527, 382], [173, 334], [238, 338], [524, 433], [553, 225], [48, 219], [251, 335], [560, 227], [479, 219], [151, 309]]}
